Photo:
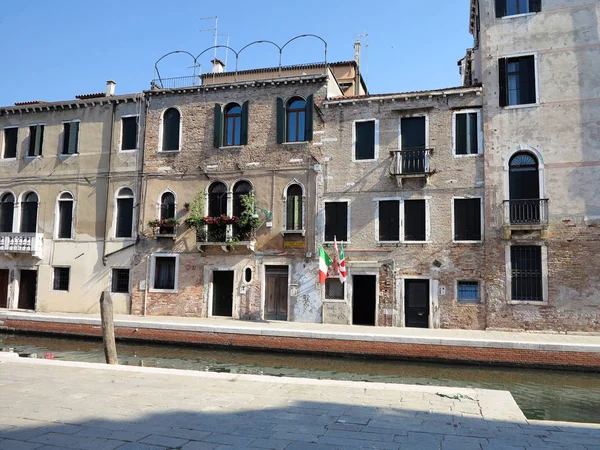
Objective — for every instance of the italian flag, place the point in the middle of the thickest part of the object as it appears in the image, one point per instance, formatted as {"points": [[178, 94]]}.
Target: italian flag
{"points": [[324, 263], [342, 264]]}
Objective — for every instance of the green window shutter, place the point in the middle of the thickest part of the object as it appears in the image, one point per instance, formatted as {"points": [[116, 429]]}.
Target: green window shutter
{"points": [[73, 138], [473, 134], [502, 80], [308, 124], [527, 79], [66, 132], [280, 121], [244, 127], [218, 126], [461, 134], [39, 139]]}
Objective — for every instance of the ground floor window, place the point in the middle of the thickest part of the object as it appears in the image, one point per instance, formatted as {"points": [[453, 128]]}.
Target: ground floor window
{"points": [[467, 291], [120, 281], [165, 273], [526, 273], [61, 278], [334, 289]]}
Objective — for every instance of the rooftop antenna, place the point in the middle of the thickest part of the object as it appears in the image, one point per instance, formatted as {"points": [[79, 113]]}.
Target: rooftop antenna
{"points": [[215, 30], [364, 40], [226, 52]]}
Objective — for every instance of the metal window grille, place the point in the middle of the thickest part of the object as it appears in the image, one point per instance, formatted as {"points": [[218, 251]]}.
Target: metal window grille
{"points": [[526, 273], [334, 289], [120, 280], [61, 278], [468, 291]]}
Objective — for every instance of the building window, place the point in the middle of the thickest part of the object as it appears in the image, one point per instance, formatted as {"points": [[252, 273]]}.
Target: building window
{"points": [[70, 138], [415, 220], [526, 273], [467, 291], [248, 275], [293, 208], [295, 120], [513, 7], [233, 124], [336, 221], [171, 129], [129, 130], [334, 289], [389, 220], [365, 140], [65, 216], [524, 189], [165, 272], [36, 140], [413, 137], [217, 199], [10, 143], [7, 212], [466, 134], [120, 281], [467, 219], [517, 81], [124, 219], [61, 278], [29, 210], [167, 211]]}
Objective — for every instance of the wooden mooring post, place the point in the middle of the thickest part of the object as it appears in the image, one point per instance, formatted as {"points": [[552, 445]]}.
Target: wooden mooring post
{"points": [[108, 328]]}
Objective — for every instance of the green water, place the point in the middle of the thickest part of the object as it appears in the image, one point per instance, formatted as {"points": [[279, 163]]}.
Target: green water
{"points": [[541, 394]]}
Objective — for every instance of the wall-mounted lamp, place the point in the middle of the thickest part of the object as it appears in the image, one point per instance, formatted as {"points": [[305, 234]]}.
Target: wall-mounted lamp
{"points": [[268, 214]]}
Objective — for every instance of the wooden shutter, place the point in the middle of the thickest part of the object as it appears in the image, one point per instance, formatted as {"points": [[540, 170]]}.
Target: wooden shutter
{"points": [[527, 80], [29, 217], [414, 220], [461, 134], [244, 126], [7, 211], [413, 133], [308, 123], [389, 220], [535, 5], [472, 134], [502, 82], [460, 219], [341, 233], [280, 121], [500, 8], [218, 128], [73, 138], [330, 221], [39, 140], [365, 140]]}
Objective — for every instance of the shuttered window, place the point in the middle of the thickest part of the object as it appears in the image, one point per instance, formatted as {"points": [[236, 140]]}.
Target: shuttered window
{"points": [[70, 138], [526, 273], [171, 130], [65, 216], [124, 225], [129, 128], [36, 140], [413, 132], [414, 220], [364, 146], [466, 136], [293, 208], [517, 81], [29, 209], [295, 119], [513, 7], [10, 143], [336, 221], [467, 219], [389, 220]]}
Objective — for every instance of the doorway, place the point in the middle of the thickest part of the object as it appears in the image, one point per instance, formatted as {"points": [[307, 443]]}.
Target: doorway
{"points": [[364, 299], [222, 293], [276, 292], [3, 288], [416, 303], [27, 288]]}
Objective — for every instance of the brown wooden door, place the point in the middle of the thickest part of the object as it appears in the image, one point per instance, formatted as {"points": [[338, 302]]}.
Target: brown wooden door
{"points": [[27, 288], [3, 288], [276, 294]]}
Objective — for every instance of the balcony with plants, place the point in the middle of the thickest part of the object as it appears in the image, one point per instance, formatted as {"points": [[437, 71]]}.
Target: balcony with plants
{"points": [[164, 227]]}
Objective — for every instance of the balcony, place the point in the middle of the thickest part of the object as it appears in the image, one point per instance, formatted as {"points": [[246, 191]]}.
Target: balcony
{"points": [[527, 214], [29, 243], [413, 163], [224, 235]]}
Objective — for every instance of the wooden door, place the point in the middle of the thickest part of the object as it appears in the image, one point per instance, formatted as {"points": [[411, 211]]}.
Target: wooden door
{"points": [[416, 303], [27, 288], [364, 303], [276, 294], [3, 288], [222, 293]]}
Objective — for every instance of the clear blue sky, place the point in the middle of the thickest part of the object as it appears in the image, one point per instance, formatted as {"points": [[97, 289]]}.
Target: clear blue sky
{"points": [[54, 50]]}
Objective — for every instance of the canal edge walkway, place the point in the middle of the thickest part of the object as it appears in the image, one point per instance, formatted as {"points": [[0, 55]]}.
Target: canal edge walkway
{"points": [[551, 350], [90, 405]]}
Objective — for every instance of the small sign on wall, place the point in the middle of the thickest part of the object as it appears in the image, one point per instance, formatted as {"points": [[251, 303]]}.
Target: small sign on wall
{"points": [[442, 290], [293, 244], [142, 285]]}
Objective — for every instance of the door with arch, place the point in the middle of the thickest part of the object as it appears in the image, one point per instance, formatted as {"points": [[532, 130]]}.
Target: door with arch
{"points": [[524, 189]]}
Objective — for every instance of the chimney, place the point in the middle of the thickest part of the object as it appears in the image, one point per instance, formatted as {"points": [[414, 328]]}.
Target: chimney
{"points": [[110, 88], [218, 66], [357, 71]]}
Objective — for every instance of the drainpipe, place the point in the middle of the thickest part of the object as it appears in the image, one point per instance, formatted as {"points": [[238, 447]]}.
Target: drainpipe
{"points": [[108, 178]]}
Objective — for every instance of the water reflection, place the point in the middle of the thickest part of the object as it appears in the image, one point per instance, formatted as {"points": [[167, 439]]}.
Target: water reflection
{"points": [[541, 394]]}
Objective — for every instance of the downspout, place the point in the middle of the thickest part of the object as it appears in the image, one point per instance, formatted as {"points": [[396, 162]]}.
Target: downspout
{"points": [[142, 199], [108, 178]]}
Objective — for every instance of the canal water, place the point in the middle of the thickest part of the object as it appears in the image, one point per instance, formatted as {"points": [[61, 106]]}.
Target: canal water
{"points": [[541, 394]]}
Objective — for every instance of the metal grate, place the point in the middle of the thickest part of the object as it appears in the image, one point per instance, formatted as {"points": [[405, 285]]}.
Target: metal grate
{"points": [[334, 289], [468, 291], [61, 278], [526, 273], [120, 281]]}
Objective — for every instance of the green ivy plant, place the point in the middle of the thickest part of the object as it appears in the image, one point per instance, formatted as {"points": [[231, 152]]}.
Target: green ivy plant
{"points": [[196, 214]]}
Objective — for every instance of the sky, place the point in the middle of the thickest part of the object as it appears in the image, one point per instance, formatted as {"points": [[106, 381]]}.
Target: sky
{"points": [[54, 50]]}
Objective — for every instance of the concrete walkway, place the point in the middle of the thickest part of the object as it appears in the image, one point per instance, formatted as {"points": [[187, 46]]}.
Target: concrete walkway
{"points": [[54, 404]]}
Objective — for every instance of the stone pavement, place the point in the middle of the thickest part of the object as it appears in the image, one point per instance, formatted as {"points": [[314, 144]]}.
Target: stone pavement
{"points": [[55, 404]]}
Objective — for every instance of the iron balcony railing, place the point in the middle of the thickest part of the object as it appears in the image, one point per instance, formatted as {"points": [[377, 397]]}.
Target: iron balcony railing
{"points": [[526, 212], [31, 243], [177, 82], [410, 162]]}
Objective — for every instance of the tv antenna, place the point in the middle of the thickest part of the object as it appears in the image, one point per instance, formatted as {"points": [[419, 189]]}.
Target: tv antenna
{"points": [[215, 30], [364, 42]]}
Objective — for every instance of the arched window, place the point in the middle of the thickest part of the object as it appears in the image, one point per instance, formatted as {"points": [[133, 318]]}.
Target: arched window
{"points": [[167, 211], [524, 188], [124, 221], [171, 130], [293, 208], [7, 212], [65, 216], [296, 119], [29, 209], [233, 124], [240, 188], [217, 199]]}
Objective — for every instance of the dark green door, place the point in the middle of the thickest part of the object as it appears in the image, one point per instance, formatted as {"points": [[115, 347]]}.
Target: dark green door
{"points": [[416, 303], [222, 293]]}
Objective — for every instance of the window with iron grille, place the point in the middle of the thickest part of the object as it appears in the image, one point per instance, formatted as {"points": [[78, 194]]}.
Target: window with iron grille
{"points": [[513, 7], [61, 278], [130, 131], [414, 220], [120, 281], [517, 80], [389, 220], [466, 137], [334, 289], [36, 140], [10, 143], [70, 138], [336, 221], [364, 145], [526, 273], [467, 291], [467, 219]]}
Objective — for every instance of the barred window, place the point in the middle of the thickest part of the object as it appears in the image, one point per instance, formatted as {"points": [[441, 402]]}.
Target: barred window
{"points": [[467, 291], [61, 278], [334, 289], [120, 281], [526, 273]]}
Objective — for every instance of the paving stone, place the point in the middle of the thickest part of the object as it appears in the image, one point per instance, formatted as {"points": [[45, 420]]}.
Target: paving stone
{"points": [[138, 446], [18, 445], [128, 436], [165, 441], [274, 444], [199, 446], [79, 442]]}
